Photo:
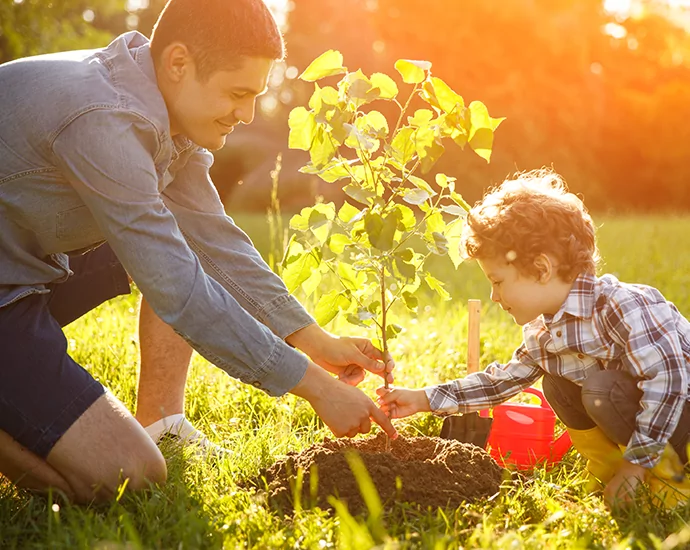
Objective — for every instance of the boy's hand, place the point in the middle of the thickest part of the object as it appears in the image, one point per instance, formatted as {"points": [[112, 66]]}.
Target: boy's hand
{"points": [[398, 403], [620, 491]]}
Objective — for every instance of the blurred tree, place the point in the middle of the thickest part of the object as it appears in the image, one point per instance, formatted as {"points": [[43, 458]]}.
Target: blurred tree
{"points": [[31, 27]]}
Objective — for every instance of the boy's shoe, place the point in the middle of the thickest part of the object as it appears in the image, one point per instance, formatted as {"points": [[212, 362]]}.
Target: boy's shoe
{"points": [[178, 430], [603, 456], [668, 485]]}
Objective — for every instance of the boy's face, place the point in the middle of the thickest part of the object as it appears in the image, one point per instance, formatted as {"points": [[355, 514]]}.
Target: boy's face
{"points": [[524, 296], [207, 111]]}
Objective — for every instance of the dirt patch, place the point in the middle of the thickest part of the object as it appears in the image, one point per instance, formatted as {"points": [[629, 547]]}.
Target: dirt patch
{"points": [[428, 471]]}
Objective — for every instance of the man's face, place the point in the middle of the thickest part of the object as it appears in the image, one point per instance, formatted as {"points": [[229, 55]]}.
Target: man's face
{"points": [[208, 111]]}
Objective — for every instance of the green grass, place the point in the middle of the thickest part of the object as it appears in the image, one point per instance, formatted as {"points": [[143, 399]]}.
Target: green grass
{"points": [[204, 506]]}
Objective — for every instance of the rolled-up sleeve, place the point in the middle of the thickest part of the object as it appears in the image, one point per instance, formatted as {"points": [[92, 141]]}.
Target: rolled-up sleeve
{"points": [[108, 157]]}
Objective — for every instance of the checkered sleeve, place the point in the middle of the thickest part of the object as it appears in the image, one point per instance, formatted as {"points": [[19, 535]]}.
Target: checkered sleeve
{"points": [[485, 389], [644, 325]]}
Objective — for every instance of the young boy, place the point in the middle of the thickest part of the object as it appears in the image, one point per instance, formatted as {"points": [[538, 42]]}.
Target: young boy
{"points": [[613, 357]]}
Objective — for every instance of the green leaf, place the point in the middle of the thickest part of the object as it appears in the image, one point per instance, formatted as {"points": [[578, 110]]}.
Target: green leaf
{"points": [[302, 129], [347, 212], [434, 222], [481, 137], [374, 123], [322, 148], [428, 147], [329, 305], [327, 64], [457, 198], [415, 196], [361, 90], [312, 283], [412, 71], [358, 139], [421, 118], [300, 270], [402, 146], [300, 222], [388, 89], [349, 276], [436, 285], [419, 183], [453, 234], [454, 210], [358, 193], [338, 242], [381, 230], [444, 181], [407, 218], [411, 301], [406, 270], [440, 95], [437, 243], [392, 331]]}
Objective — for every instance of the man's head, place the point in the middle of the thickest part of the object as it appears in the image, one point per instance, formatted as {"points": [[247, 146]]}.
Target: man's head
{"points": [[212, 60], [532, 239]]}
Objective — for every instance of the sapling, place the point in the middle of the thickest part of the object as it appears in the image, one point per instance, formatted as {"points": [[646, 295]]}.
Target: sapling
{"points": [[385, 169]]}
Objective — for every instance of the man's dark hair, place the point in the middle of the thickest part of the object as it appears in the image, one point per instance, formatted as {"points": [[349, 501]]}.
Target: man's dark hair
{"points": [[218, 33]]}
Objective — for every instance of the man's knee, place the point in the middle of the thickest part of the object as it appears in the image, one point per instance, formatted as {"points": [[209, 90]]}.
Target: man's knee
{"points": [[105, 447]]}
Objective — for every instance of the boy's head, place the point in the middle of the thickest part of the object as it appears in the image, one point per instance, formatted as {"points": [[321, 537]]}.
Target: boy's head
{"points": [[532, 238], [212, 60]]}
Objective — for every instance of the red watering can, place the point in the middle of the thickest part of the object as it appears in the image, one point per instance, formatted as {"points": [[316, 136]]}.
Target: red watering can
{"points": [[522, 435]]}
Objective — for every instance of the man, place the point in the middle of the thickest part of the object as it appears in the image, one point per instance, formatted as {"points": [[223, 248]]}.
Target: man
{"points": [[111, 146]]}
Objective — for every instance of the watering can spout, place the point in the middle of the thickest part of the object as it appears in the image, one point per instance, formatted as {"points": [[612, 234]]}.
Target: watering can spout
{"points": [[560, 447]]}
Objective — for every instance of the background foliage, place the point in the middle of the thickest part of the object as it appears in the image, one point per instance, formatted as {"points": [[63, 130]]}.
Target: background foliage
{"points": [[601, 96]]}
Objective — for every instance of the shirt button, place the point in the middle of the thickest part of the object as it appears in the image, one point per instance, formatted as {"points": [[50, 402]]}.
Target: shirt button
{"points": [[256, 384], [580, 356], [559, 334]]}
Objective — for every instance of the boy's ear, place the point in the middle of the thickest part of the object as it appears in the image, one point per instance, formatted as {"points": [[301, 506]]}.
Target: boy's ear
{"points": [[544, 268], [175, 61]]}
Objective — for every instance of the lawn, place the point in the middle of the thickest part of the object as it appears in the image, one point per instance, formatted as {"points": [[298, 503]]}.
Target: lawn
{"points": [[204, 504]]}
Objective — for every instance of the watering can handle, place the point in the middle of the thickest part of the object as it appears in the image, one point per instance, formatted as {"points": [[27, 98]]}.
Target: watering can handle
{"points": [[543, 402]]}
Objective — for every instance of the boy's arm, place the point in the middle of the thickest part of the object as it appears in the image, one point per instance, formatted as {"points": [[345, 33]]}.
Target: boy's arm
{"points": [[652, 352], [487, 388]]}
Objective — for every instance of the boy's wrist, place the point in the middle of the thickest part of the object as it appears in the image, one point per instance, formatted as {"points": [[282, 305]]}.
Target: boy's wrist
{"points": [[422, 401]]}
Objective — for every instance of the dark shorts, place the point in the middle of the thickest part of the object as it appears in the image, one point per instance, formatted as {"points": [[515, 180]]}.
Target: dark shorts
{"points": [[42, 390]]}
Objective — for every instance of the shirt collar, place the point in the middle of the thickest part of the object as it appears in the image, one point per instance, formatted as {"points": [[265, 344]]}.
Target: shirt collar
{"points": [[580, 299]]}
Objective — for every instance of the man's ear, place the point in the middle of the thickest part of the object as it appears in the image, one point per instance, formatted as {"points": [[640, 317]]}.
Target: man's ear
{"points": [[176, 61], [544, 267]]}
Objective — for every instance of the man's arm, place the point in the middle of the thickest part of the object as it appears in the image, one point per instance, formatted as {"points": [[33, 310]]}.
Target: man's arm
{"points": [[108, 159], [228, 255]]}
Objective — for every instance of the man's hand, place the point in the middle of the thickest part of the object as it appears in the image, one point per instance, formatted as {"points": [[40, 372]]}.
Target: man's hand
{"points": [[345, 357], [620, 491], [346, 410], [398, 403]]}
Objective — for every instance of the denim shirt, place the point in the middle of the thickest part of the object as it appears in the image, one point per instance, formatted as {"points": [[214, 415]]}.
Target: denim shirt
{"points": [[86, 156]]}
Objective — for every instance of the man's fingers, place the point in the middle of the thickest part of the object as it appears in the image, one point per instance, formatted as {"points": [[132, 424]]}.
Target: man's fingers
{"points": [[365, 426], [382, 420]]}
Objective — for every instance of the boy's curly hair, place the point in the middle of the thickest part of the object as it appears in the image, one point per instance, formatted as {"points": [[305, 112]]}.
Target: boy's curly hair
{"points": [[528, 215]]}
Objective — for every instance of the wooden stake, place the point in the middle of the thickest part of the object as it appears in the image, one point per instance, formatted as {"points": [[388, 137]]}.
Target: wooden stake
{"points": [[474, 308]]}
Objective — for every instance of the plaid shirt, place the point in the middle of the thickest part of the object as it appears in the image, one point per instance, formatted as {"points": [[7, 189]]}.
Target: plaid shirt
{"points": [[603, 324]]}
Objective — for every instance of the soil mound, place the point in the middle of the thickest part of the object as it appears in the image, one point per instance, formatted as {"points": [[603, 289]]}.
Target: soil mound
{"points": [[428, 471]]}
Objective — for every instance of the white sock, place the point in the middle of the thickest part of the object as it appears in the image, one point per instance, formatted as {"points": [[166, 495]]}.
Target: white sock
{"points": [[169, 424]]}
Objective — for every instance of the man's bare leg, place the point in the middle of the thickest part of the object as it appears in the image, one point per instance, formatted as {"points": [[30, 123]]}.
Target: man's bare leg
{"points": [[102, 448], [165, 360]]}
